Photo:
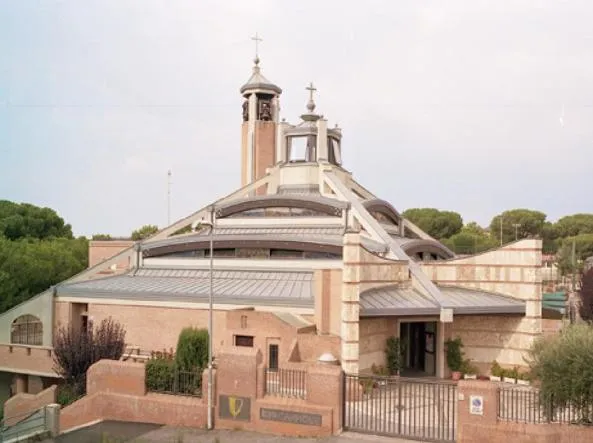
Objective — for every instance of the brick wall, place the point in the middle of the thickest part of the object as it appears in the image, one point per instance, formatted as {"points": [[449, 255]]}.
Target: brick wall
{"points": [[116, 392], [486, 428], [513, 270], [19, 405], [27, 359], [100, 250]]}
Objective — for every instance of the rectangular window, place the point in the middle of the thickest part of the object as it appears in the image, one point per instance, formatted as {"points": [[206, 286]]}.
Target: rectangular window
{"points": [[273, 357], [244, 340]]}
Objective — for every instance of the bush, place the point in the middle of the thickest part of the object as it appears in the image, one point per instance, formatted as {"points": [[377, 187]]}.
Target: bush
{"points": [[454, 354], [75, 351], [160, 373], [192, 349], [563, 364], [394, 355], [69, 393]]}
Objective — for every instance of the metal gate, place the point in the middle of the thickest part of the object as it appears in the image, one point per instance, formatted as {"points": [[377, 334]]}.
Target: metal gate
{"points": [[403, 407]]}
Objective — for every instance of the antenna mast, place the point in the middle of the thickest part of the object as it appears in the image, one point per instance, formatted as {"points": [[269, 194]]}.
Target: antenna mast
{"points": [[169, 197]]}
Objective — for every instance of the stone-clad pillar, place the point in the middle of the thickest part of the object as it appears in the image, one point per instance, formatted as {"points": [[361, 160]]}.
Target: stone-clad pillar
{"points": [[349, 303]]}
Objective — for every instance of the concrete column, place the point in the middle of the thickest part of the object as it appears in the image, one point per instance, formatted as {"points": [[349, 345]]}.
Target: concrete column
{"points": [[440, 350], [322, 154], [350, 304], [281, 154], [20, 383], [52, 416], [251, 137], [276, 109]]}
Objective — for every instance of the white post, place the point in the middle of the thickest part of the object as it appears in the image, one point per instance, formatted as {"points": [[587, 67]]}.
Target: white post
{"points": [[210, 330]]}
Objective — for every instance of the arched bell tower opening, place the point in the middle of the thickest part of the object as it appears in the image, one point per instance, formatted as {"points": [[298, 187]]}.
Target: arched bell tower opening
{"points": [[261, 109]]}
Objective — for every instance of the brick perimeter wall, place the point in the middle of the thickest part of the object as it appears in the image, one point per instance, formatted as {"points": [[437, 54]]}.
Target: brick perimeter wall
{"points": [[20, 404], [487, 428]]}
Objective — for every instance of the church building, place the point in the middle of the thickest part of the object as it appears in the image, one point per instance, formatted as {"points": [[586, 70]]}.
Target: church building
{"points": [[306, 261]]}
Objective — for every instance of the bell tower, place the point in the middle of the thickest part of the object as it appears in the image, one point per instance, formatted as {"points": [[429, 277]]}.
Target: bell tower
{"points": [[261, 109]]}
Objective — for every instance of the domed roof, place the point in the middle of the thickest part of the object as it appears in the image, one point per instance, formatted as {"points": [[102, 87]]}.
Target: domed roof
{"points": [[257, 82]]}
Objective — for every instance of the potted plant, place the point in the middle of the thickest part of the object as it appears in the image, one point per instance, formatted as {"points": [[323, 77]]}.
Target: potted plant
{"points": [[496, 371], [523, 379], [470, 372], [454, 357], [511, 376]]}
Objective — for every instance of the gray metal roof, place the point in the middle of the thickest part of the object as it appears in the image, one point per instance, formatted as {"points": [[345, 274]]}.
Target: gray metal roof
{"points": [[236, 287], [402, 300], [320, 235]]}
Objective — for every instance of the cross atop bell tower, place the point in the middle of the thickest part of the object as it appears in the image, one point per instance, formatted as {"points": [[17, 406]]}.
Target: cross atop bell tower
{"points": [[261, 109], [256, 39]]}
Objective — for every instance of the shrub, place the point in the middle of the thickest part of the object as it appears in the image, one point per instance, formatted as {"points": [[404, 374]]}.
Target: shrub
{"points": [[192, 349], [68, 393], [394, 355], [160, 373], [563, 365], [75, 351], [454, 354], [496, 369]]}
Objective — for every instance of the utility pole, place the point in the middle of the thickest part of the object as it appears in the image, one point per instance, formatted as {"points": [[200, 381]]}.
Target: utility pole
{"points": [[574, 264], [501, 230], [516, 226]]}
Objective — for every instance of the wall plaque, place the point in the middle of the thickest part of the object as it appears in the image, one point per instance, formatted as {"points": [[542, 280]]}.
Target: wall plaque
{"points": [[297, 418], [234, 408], [476, 405]]}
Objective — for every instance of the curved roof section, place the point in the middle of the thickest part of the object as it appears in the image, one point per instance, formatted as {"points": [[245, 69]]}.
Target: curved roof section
{"points": [[325, 205], [383, 207], [413, 246], [404, 300], [257, 82], [329, 243]]}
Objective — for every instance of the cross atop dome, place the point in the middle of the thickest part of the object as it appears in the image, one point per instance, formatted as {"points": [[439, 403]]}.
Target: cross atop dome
{"points": [[310, 116], [311, 104]]}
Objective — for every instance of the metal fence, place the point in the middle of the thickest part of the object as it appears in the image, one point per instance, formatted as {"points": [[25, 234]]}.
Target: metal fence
{"points": [[24, 427], [175, 382], [401, 407], [527, 405], [286, 382]]}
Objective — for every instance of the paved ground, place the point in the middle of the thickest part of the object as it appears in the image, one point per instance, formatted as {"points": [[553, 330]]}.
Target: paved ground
{"points": [[121, 432]]}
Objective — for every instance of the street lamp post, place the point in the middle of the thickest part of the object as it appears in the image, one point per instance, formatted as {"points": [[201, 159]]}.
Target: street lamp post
{"points": [[210, 327]]}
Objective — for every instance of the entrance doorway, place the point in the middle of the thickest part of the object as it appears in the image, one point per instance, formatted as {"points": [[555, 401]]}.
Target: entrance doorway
{"points": [[419, 344]]}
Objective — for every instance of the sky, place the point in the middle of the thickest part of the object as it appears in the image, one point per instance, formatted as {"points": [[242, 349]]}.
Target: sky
{"points": [[473, 106]]}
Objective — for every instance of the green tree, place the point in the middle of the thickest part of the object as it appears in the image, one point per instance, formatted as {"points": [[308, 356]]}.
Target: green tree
{"points": [[192, 349], [23, 220], [436, 223], [522, 222], [563, 364], [30, 266], [144, 232], [101, 237], [470, 243], [583, 250], [576, 224]]}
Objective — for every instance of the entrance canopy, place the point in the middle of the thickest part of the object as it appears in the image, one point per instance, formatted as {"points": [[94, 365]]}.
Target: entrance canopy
{"points": [[403, 300]]}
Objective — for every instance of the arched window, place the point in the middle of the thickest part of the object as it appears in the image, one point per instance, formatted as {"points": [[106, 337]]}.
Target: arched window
{"points": [[27, 330]]}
